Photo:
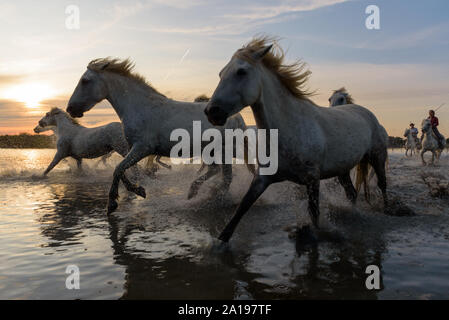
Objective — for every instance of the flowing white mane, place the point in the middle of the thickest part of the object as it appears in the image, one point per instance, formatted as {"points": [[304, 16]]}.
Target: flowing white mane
{"points": [[293, 76]]}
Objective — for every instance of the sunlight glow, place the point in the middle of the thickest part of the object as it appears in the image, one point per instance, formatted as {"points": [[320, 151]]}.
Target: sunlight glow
{"points": [[31, 94]]}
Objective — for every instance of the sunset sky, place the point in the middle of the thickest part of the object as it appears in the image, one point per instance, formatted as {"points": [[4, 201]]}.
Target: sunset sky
{"points": [[398, 72]]}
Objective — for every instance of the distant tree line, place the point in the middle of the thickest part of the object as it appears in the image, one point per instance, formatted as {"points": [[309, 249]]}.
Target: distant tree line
{"points": [[396, 142], [25, 140]]}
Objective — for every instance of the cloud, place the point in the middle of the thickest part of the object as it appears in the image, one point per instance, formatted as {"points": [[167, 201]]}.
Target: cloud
{"points": [[7, 79], [437, 33], [248, 17], [276, 9]]}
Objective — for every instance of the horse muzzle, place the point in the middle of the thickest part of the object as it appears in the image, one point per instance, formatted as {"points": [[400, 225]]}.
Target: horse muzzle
{"points": [[74, 112], [216, 115]]}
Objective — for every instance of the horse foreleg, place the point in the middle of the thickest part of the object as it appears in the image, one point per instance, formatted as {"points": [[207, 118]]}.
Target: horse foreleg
{"points": [[258, 186], [79, 163], [227, 176], [313, 191], [135, 155], [194, 187], [422, 157], [251, 167], [345, 181], [58, 157]]}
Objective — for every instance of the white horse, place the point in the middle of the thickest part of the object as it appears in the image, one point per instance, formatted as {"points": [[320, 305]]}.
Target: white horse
{"points": [[78, 142], [314, 142], [340, 97], [38, 129], [364, 172], [430, 142], [411, 143], [148, 118]]}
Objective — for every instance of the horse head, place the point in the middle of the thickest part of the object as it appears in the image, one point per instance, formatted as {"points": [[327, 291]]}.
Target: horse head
{"points": [[90, 89]]}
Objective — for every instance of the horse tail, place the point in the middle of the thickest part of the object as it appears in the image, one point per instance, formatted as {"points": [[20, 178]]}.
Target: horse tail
{"points": [[362, 172], [251, 167]]}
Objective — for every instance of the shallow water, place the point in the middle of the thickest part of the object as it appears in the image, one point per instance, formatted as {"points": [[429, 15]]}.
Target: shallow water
{"points": [[164, 246]]}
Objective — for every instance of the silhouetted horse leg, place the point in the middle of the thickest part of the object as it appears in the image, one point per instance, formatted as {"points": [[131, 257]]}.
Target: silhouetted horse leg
{"points": [[345, 181], [258, 186], [79, 163], [136, 153], [313, 191], [58, 157], [227, 176], [194, 187], [378, 161]]}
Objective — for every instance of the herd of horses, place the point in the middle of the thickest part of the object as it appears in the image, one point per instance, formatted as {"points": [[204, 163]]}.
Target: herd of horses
{"points": [[314, 142]]}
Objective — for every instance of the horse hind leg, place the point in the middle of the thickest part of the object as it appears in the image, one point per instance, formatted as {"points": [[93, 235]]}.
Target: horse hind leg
{"points": [[195, 186], [345, 181], [378, 161], [227, 176]]}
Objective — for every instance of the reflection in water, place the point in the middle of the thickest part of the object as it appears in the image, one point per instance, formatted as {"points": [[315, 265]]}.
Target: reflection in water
{"points": [[165, 247]]}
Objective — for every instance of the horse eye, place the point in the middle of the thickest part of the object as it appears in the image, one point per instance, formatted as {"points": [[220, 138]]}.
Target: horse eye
{"points": [[241, 72], [84, 81]]}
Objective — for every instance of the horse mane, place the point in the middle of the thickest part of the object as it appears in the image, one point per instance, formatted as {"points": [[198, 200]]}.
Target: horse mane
{"points": [[202, 98], [349, 99], [124, 67], [56, 110], [293, 76]]}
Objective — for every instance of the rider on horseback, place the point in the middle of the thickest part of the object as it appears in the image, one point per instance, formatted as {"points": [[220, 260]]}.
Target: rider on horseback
{"points": [[414, 131], [434, 122]]}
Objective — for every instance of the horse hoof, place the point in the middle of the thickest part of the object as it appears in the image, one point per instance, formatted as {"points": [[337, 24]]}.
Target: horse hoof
{"points": [[225, 236], [141, 192], [192, 193], [112, 206]]}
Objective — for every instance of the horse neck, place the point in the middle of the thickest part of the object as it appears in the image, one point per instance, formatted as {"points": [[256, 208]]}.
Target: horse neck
{"points": [[277, 107], [65, 126], [125, 94]]}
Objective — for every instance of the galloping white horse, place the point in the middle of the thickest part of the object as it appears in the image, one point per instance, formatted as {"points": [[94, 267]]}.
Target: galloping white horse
{"points": [[148, 119], [314, 142], [340, 97], [364, 172], [38, 129], [411, 143], [430, 142], [78, 142]]}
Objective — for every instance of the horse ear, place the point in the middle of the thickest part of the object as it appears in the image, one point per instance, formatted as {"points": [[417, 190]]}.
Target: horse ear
{"points": [[259, 54], [104, 66]]}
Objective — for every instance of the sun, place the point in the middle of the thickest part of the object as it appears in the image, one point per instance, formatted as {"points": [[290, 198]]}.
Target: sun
{"points": [[31, 94]]}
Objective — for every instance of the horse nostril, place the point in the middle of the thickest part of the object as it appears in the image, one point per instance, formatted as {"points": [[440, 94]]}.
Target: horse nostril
{"points": [[206, 112]]}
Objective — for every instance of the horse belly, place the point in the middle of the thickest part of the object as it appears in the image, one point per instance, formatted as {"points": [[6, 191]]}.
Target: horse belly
{"points": [[342, 160]]}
